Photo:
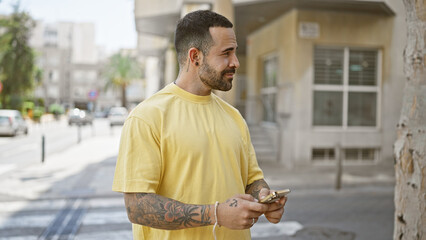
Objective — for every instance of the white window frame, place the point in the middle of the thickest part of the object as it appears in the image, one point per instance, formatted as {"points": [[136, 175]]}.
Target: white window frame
{"points": [[346, 162], [345, 88], [359, 161], [269, 90]]}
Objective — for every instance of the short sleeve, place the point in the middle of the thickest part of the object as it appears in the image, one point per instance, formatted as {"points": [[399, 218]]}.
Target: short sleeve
{"points": [[138, 167], [254, 171]]}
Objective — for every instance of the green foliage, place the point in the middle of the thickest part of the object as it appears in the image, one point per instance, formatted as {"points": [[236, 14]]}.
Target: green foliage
{"points": [[27, 105], [16, 58], [37, 113], [56, 109], [120, 71], [15, 102]]}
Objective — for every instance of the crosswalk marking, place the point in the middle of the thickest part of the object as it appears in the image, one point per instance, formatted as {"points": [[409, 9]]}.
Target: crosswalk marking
{"points": [[122, 235], [61, 219], [19, 238], [4, 168], [41, 220], [32, 205], [99, 218], [262, 230], [106, 202]]}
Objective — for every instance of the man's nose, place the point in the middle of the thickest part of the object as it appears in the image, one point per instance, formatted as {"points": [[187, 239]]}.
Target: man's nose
{"points": [[234, 62]]}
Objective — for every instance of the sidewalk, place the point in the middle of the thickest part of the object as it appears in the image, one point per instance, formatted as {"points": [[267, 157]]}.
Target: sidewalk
{"points": [[323, 177], [63, 174], [69, 196], [362, 209]]}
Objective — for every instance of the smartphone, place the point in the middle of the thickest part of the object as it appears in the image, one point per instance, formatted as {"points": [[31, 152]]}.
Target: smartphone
{"points": [[275, 196]]}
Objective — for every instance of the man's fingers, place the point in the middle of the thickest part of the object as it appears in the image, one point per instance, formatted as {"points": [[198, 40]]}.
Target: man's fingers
{"points": [[263, 193], [247, 197], [248, 202], [275, 216], [258, 208], [279, 212], [277, 205], [276, 210], [283, 201]]}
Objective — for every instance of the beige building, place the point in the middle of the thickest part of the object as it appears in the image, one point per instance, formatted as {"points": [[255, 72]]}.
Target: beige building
{"points": [[314, 74], [71, 65]]}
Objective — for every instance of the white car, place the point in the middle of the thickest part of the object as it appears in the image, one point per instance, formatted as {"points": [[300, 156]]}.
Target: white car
{"points": [[79, 117], [117, 116], [11, 123]]}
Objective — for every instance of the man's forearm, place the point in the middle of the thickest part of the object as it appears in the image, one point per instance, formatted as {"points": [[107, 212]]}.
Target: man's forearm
{"points": [[153, 210], [255, 187]]}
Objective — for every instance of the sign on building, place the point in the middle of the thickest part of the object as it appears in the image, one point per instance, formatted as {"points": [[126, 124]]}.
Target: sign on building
{"points": [[310, 30]]}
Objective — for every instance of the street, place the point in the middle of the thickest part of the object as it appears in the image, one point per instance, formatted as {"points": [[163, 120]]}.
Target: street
{"points": [[19, 151], [69, 196]]}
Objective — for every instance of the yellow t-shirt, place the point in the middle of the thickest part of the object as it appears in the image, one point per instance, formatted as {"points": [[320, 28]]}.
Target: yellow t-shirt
{"points": [[194, 149]]}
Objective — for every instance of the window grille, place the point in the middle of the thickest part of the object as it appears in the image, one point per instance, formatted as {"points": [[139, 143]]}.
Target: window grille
{"points": [[346, 88]]}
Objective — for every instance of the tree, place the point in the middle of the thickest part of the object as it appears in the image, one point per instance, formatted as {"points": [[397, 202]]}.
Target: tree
{"points": [[121, 71], [410, 147], [16, 58]]}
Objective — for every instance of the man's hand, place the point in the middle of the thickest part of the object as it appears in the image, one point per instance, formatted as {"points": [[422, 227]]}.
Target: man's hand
{"points": [[275, 210], [240, 211]]}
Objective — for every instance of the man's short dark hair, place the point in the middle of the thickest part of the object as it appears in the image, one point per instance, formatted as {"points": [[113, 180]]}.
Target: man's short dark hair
{"points": [[193, 31]]}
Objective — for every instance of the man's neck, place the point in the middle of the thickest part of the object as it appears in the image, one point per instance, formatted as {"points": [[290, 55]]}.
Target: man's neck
{"points": [[193, 84]]}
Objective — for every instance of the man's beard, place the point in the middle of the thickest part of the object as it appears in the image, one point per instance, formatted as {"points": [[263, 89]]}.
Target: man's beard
{"points": [[215, 80]]}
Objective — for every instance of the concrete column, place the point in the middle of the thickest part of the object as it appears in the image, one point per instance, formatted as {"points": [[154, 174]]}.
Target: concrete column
{"points": [[191, 6], [226, 8], [152, 73], [170, 73]]}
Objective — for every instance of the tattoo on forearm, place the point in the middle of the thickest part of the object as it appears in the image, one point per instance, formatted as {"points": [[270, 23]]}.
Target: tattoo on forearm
{"points": [[156, 211], [254, 188]]}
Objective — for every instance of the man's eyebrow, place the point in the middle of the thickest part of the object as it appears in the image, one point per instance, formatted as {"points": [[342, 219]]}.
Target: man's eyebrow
{"points": [[230, 49]]}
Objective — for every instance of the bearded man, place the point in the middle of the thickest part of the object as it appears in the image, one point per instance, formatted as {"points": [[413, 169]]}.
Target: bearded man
{"points": [[186, 161]]}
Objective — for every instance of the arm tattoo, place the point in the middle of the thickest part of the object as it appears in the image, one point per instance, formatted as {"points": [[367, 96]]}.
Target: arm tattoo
{"points": [[255, 187], [152, 210]]}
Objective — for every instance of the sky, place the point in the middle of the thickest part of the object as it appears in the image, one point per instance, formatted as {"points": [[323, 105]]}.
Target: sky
{"points": [[113, 19]]}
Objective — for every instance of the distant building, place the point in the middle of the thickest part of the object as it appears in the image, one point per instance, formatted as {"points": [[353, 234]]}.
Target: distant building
{"points": [[314, 74], [71, 65]]}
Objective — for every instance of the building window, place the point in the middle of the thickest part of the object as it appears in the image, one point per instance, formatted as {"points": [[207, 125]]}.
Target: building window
{"points": [[53, 76], [50, 38], [346, 88], [323, 154], [347, 154], [269, 88]]}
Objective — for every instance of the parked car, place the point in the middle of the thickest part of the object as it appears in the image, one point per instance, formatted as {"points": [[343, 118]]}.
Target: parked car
{"points": [[117, 116], [101, 114], [11, 123], [79, 117]]}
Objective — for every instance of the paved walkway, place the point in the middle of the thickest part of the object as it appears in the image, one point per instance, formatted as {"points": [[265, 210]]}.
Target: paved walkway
{"points": [[69, 197]]}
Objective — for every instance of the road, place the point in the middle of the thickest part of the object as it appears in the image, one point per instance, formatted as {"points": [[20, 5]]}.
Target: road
{"points": [[23, 150]]}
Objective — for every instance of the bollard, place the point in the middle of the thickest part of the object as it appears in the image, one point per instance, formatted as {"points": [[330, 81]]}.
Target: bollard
{"points": [[43, 146], [338, 157], [78, 132]]}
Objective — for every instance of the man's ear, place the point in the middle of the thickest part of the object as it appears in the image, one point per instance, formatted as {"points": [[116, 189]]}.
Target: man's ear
{"points": [[195, 56]]}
